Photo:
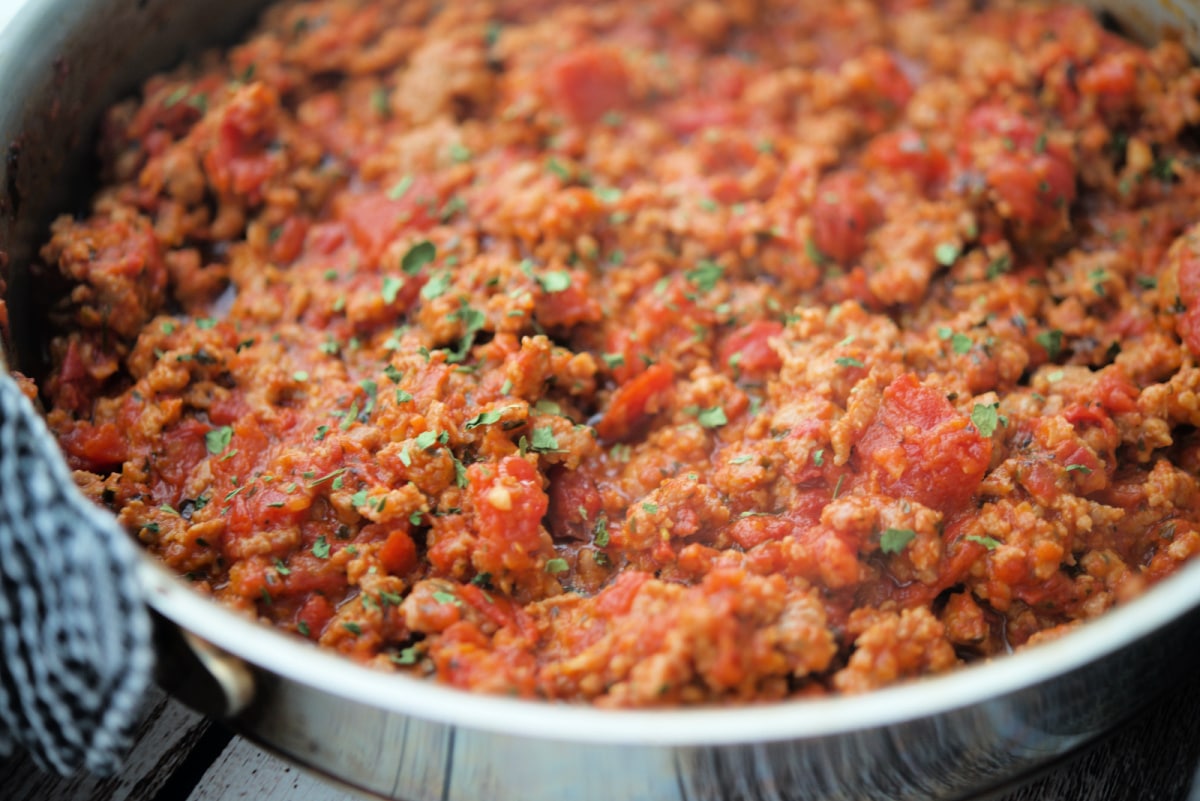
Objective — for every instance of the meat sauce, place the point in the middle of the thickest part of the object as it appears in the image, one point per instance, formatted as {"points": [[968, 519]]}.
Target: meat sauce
{"points": [[648, 353]]}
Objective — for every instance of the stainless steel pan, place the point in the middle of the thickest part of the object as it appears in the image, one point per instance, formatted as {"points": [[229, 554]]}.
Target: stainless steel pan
{"points": [[951, 737]]}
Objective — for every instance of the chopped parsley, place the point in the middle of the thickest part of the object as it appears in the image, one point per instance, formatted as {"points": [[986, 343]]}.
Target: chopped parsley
{"points": [[848, 361], [408, 656], [544, 441], [554, 280], [613, 360], [986, 417], [486, 418], [554, 566], [391, 288], [320, 548], [947, 253], [218, 439], [417, 257], [1052, 341], [400, 188], [436, 286], [600, 532], [893, 540], [713, 417], [705, 275], [986, 542], [999, 265]]}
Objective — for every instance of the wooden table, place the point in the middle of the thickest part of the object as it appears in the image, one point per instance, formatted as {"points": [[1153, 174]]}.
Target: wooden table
{"points": [[180, 756]]}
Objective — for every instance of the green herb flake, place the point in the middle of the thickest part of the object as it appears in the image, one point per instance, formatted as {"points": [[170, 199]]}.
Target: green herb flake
{"points": [[300, 376], [893, 540], [379, 101], [555, 566], [349, 417], [986, 542], [426, 440], [848, 361], [320, 548], [713, 417], [1082, 468], [446, 598], [303, 628], [705, 275], [1052, 341], [352, 627], [999, 265], [741, 459], [613, 360], [947, 253], [558, 169], [814, 253], [218, 439], [400, 188], [359, 498], [417, 257], [543, 440], [176, 97], [437, 285], [320, 433], [281, 568], [600, 532], [961, 344], [391, 288], [819, 457], [460, 153], [486, 418], [986, 418], [327, 477], [650, 508], [554, 281], [407, 656]]}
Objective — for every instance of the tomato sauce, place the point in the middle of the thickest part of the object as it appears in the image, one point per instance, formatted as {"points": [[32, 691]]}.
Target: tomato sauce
{"points": [[648, 354]]}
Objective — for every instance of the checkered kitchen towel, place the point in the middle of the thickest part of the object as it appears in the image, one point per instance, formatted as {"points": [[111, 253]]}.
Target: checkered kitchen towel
{"points": [[75, 652]]}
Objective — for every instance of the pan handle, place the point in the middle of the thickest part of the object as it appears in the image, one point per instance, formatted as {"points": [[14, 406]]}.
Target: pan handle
{"points": [[198, 673]]}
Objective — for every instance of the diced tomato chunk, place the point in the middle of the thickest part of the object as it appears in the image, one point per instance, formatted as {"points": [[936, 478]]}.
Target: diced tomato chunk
{"points": [[617, 598], [575, 504], [509, 503], [588, 82], [376, 218], [399, 553], [843, 213], [635, 401], [919, 447], [747, 350], [315, 614], [95, 448], [907, 151]]}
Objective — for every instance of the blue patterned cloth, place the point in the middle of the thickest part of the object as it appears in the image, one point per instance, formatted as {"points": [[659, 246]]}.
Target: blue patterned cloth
{"points": [[75, 636]]}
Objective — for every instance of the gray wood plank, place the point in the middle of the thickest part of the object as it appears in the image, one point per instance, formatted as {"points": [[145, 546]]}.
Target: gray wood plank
{"points": [[165, 737], [245, 771]]}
